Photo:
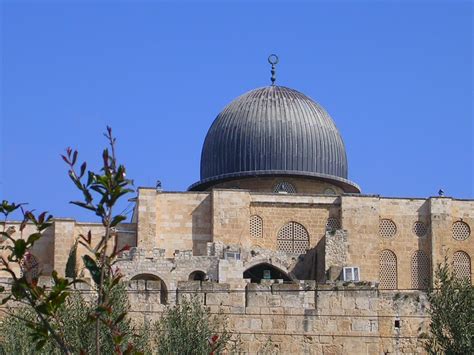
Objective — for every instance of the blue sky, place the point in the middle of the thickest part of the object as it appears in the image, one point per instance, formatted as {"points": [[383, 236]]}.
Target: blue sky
{"points": [[396, 78]]}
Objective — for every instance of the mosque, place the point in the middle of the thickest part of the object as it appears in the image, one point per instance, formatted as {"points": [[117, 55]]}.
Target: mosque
{"points": [[274, 211], [274, 202]]}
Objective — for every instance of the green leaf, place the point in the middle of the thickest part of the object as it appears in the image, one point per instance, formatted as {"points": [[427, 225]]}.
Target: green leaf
{"points": [[5, 300], [120, 318], [33, 238], [83, 169], [43, 309], [92, 267], [19, 248], [117, 219], [87, 206], [40, 344]]}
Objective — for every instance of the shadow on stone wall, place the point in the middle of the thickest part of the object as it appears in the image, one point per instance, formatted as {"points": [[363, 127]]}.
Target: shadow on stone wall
{"points": [[310, 266], [201, 226]]}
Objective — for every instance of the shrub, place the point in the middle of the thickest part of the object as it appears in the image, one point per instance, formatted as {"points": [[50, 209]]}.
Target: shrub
{"points": [[452, 314], [190, 328], [73, 318]]}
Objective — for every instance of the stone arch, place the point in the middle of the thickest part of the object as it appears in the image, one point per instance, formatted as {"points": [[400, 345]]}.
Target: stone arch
{"points": [[388, 270], [420, 270], [462, 265], [293, 237], [146, 277], [258, 271], [197, 275]]}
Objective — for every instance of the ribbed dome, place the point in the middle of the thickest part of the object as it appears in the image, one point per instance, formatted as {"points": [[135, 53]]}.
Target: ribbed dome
{"points": [[273, 131]]}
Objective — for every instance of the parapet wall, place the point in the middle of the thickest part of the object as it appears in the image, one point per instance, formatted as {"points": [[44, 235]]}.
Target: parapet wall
{"points": [[306, 318], [299, 318]]}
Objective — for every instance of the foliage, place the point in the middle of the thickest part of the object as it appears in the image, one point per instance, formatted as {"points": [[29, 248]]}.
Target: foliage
{"points": [[77, 329], [452, 314], [24, 289], [100, 192], [71, 264], [190, 328]]}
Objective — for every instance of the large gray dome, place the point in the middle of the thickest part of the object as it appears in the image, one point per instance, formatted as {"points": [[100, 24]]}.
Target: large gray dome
{"points": [[273, 131]]}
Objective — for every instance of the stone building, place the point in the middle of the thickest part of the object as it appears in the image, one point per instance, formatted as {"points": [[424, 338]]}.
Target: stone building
{"points": [[274, 211]]}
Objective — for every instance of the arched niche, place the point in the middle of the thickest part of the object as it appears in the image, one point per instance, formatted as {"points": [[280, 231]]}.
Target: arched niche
{"points": [[150, 277], [263, 271], [197, 275]]}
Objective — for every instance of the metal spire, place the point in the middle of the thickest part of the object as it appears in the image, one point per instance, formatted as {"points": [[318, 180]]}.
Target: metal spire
{"points": [[273, 60]]}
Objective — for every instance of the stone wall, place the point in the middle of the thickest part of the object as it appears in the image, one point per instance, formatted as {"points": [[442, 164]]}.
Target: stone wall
{"points": [[231, 216], [183, 221], [306, 318], [444, 212], [277, 210], [361, 216]]}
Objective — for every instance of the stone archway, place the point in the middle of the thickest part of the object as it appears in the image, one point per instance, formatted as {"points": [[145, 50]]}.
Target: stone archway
{"points": [[197, 275], [262, 271]]}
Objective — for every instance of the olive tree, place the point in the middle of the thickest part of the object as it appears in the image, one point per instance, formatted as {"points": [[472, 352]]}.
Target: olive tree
{"points": [[452, 314]]}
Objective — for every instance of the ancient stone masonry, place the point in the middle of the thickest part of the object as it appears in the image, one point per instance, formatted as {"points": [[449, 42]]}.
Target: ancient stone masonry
{"points": [[276, 236]]}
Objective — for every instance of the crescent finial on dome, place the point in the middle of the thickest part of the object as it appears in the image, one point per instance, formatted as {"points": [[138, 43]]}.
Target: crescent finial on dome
{"points": [[273, 60]]}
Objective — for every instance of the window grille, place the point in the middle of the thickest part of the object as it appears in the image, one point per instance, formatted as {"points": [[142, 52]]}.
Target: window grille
{"points": [[329, 191], [284, 187], [333, 223], [420, 270], [256, 226], [461, 230], [293, 238], [420, 229], [462, 265], [388, 270], [387, 228]]}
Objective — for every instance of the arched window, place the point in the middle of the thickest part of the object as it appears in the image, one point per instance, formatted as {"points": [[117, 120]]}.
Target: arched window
{"points": [[284, 187], [329, 191], [388, 270], [256, 226], [153, 278], [462, 265], [293, 238], [420, 270]]}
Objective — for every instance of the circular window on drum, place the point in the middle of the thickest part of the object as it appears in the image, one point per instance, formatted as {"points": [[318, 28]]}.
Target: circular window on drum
{"points": [[420, 229], [284, 187], [387, 228], [329, 191], [461, 230]]}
